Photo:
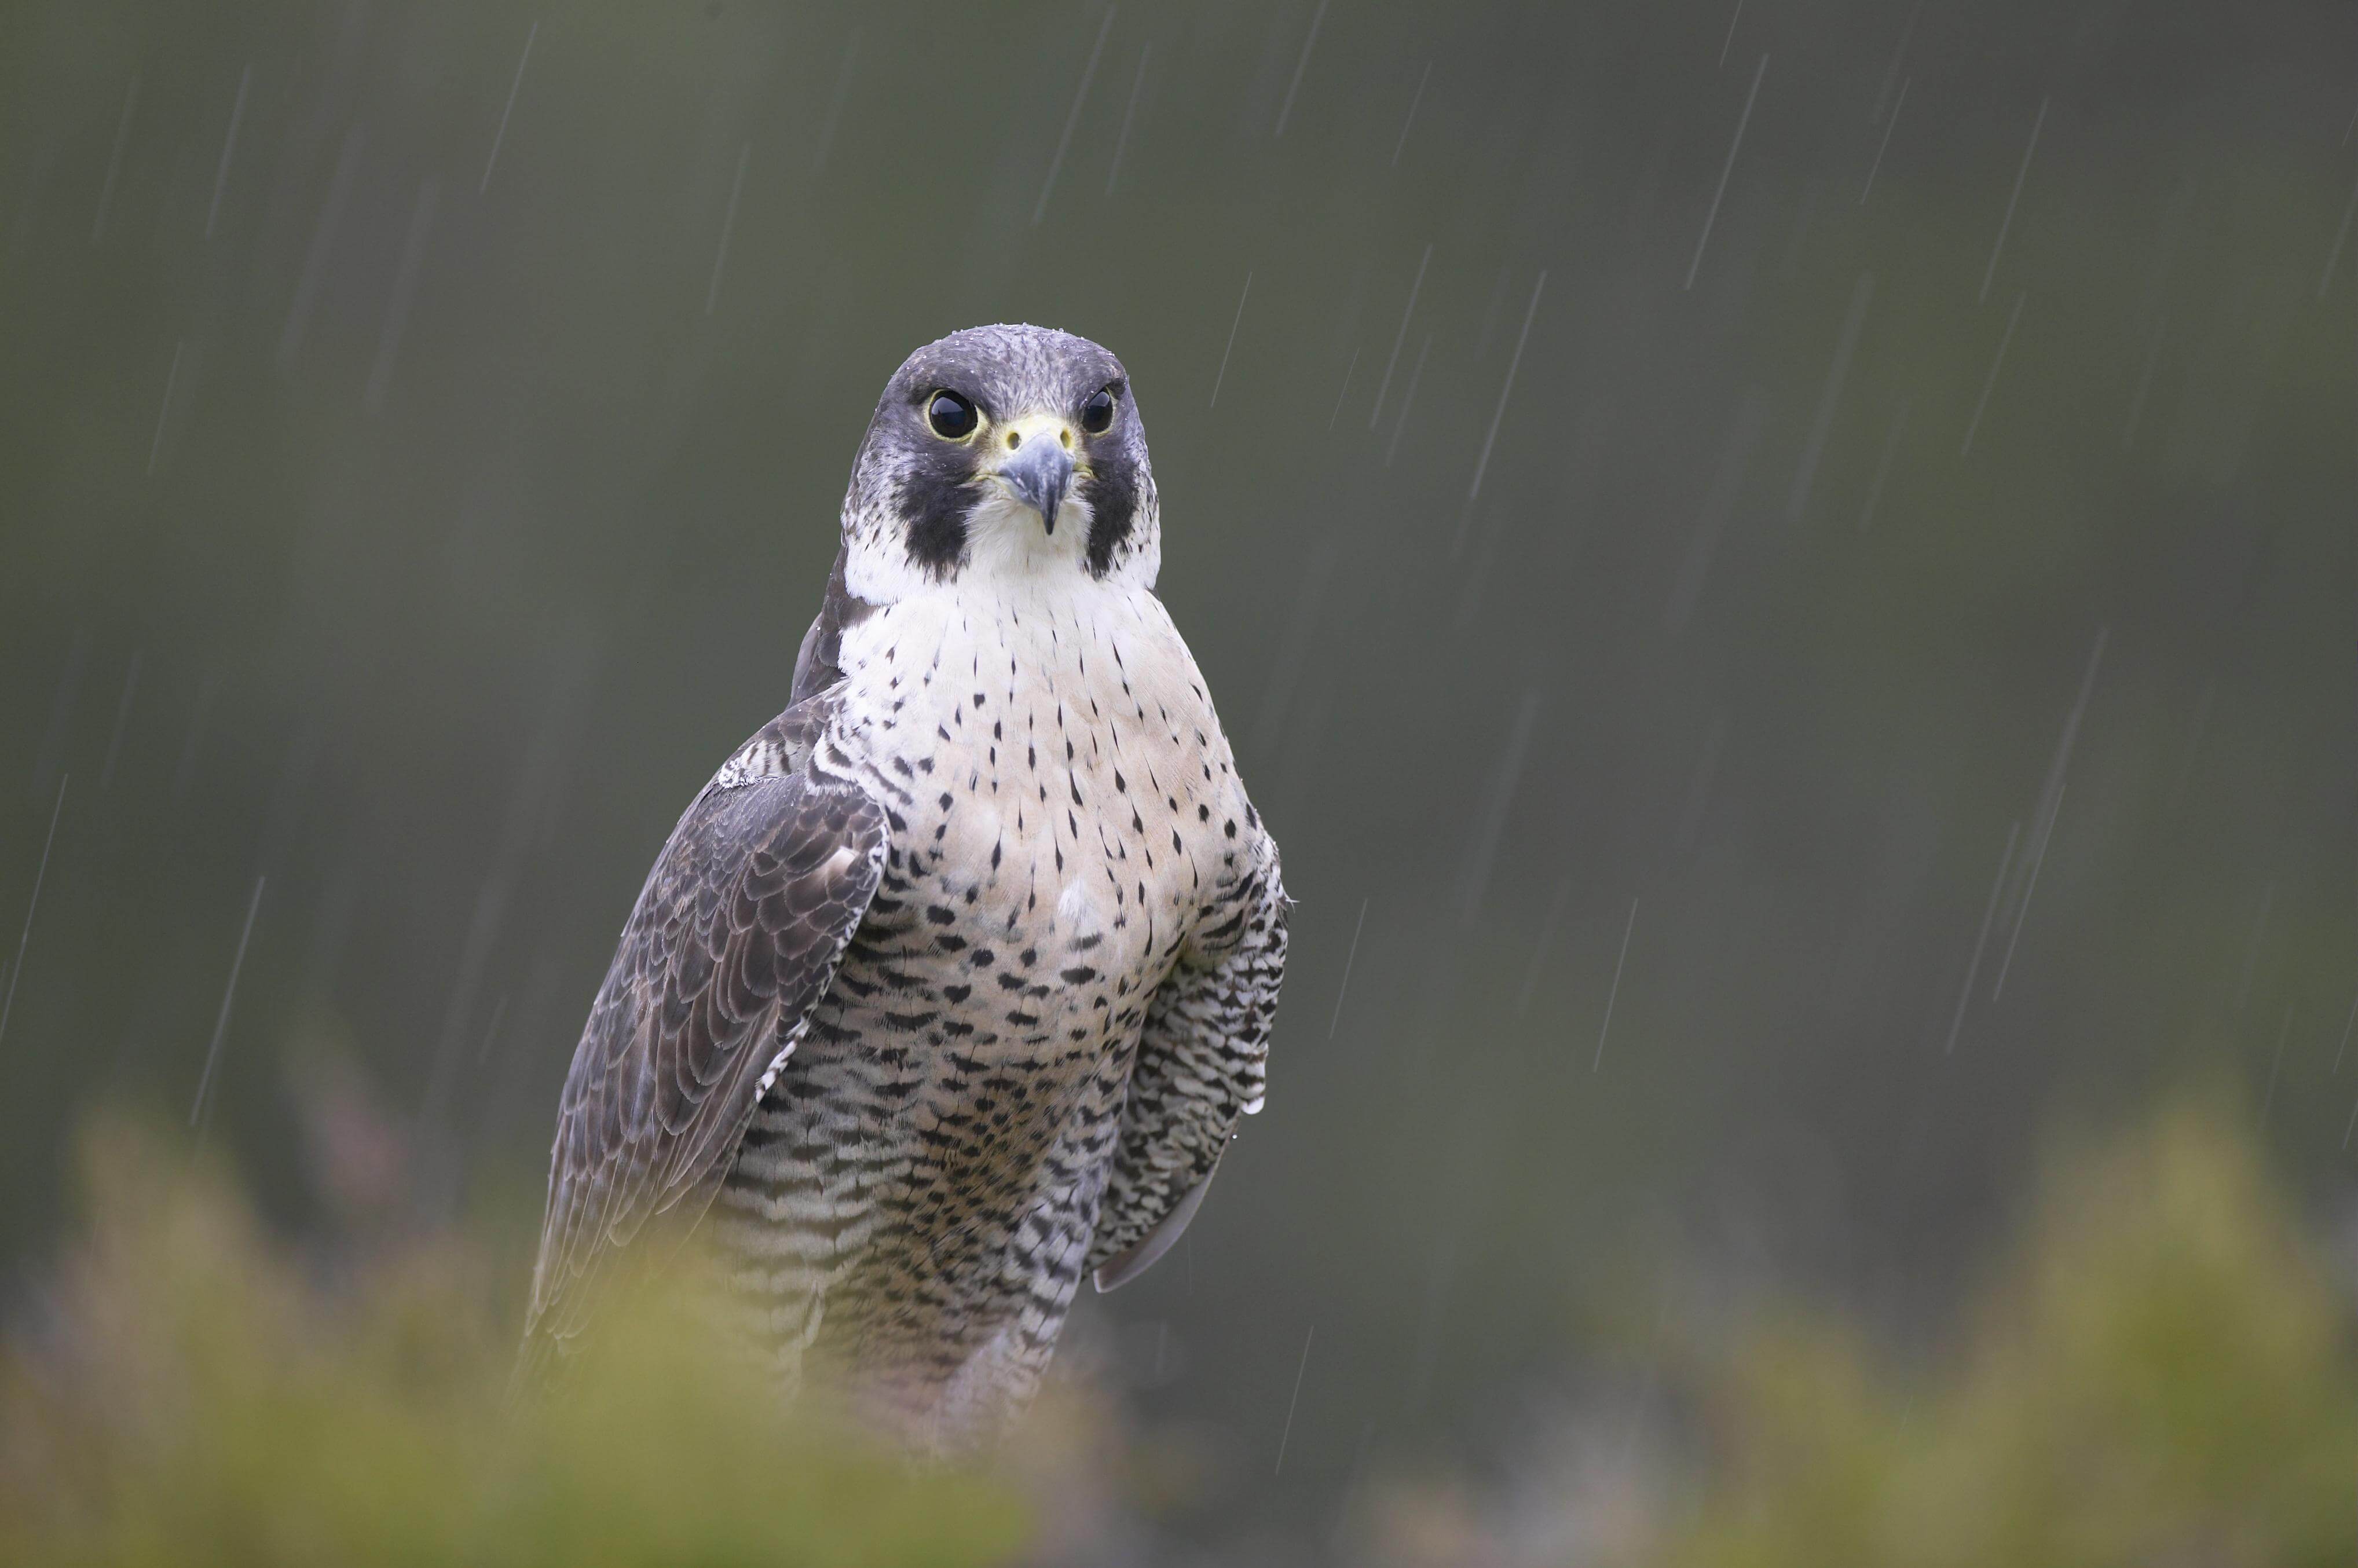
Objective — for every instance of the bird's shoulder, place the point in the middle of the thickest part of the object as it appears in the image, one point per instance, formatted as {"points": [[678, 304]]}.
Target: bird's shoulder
{"points": [[781, 749]]}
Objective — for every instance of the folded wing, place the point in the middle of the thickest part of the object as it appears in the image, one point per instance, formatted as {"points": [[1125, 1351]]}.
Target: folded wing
{"points": [[735, 937], [1202, 1062]]}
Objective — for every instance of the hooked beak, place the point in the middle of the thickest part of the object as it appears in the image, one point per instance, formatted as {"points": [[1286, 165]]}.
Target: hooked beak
{"points": [[1039, 471]]}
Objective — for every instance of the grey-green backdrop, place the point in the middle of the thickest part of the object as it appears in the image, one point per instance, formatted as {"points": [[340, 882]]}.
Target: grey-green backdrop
{"points": [[1783, 574]]}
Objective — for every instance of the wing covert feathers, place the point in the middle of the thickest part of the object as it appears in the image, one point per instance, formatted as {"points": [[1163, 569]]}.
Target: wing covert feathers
{"points": [[1202, 1062], [735, 936]]}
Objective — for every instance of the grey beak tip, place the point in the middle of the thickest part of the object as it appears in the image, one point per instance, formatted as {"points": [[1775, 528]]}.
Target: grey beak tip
{"points": [[1040, 475]]}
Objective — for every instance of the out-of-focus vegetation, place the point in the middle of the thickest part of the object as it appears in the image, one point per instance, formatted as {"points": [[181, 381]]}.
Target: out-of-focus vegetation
{"points": [[2162, 1374], [199, 1395], [2160, 1371]]}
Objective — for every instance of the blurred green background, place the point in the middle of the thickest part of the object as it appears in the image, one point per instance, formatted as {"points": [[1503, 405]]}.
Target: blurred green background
{"points": [[1783, 574]]}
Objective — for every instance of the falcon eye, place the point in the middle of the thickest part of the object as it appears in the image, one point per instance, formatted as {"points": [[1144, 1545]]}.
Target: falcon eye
{"points": [[951, 418], [1097, 413]]}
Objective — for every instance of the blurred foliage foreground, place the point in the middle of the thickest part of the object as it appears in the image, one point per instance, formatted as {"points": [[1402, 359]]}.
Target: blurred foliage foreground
{"points": [[2160, 1373], [198, 1395]]}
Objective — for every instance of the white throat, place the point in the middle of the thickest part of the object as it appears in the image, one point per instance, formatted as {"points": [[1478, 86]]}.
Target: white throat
{"points": [[1007, 551], [1005, 540]]}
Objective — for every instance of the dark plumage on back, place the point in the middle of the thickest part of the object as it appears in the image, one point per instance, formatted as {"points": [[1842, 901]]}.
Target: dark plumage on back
{"points": [[816, 666], [735, 935]]}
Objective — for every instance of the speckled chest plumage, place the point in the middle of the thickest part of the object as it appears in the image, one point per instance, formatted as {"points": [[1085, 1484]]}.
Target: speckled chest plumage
{"points": [[916, 1197]]}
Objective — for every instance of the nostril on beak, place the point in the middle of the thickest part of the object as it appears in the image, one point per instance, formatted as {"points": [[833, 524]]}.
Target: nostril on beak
{"points": [[1039, 475]]}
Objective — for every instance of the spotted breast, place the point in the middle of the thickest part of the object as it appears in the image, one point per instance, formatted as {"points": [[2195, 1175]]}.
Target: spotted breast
{"points": [[915, 1200]]}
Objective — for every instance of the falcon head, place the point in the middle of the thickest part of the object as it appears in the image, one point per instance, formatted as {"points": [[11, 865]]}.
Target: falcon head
{"points": [[1002, 452]]}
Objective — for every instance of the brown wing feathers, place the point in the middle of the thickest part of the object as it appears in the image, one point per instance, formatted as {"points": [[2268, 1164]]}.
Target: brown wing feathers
{"points": [[735, 936]]}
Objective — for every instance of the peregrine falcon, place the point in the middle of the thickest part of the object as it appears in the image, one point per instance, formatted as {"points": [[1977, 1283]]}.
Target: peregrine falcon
{"points": [[952, 984]]}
